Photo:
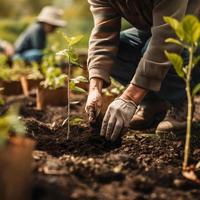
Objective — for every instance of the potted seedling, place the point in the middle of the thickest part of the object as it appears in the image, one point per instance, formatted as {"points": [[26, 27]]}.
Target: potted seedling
{"points": [[15, 158], [188, 38], [72, 59], [53, 90], [32, 79], [10, 77]]}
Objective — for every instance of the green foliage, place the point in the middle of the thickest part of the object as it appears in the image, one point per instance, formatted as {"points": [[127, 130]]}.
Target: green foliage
{"points": [[72, 58], [34, 73], [14, 73], [196, 89], [76, 121], [188, 34], [54, 78], [1, 99], [187, 31], [188, 37], [10, 122], [69, 52], [3, 60], [11, 28], [74, 81], [177, 62]]}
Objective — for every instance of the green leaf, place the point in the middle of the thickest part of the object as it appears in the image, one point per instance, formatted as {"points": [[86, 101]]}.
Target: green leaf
{"points": [[196, 60], [80, 79], [196, 89], [191, 27], [10, 122], [72, 85], [174, 23], [174, 41], [177, 62], [76, 121], [75, 40], [78, 90], [177, 26], [72, 56], [1, 102]]}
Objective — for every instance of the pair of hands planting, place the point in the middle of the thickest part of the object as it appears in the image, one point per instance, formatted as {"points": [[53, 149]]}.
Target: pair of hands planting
{"points": [[119, 112]]}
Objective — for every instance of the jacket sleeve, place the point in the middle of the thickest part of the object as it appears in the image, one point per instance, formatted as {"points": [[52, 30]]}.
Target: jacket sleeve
{"points": [[38, 38], [104, 39], [154, 65]]}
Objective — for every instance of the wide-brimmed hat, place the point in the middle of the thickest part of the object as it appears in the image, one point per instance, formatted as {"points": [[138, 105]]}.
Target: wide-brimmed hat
{"points": [[51, 15]]}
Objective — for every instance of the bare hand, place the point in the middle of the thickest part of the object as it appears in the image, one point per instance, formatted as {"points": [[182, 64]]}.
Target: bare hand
{"points": [[93, 105]]}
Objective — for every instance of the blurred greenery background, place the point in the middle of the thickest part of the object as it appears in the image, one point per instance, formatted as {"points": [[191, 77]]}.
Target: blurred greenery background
{"points": [[16, 15]]}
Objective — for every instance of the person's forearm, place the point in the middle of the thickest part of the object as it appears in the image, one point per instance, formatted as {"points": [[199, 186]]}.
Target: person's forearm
{"points": [[134, 93], [96, 84]]}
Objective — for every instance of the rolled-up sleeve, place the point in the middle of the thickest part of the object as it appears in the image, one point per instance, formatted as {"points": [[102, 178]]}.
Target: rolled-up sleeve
{"points": [[154, 65], [103, 44]]}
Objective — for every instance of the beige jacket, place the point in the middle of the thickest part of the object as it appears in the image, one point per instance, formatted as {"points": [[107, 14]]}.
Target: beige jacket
{"points": [[142, 14]]}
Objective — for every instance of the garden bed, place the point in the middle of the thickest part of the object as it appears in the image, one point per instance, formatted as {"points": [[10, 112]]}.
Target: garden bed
{"points": [[140, 166]]}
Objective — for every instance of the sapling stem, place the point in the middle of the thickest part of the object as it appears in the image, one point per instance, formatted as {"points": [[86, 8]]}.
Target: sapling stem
{"points": [[190, 109], [71, 57], [68, 98]]}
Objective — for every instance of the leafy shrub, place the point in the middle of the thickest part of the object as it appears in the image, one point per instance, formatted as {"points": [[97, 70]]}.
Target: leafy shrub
{"points": [[188, 38], [34, 72], [10, 122], [54, 78], [72, 58]]}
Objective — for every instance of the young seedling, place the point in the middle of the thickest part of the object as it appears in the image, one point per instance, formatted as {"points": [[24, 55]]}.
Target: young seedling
{"points": [[10, 122], [188, 38], [72, 58], [34, 73], [13, 73], [54, 78]]}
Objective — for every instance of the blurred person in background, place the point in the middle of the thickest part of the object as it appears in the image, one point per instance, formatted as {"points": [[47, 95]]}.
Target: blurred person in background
{"points": [[31, 43]]}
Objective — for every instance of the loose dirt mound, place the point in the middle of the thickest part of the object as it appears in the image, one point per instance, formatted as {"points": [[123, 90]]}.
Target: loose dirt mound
{"points": [[140, 166]]}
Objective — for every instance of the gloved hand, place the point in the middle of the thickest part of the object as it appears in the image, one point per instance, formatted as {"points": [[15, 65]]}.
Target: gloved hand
{"points": [[117, 117], [93, 105]]}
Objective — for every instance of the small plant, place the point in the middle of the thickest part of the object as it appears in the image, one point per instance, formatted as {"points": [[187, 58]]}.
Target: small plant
{"points": [[13, 73], [188, 38], [3, 60], [75, 81], [72, 58], [54, 78], [10, 122], [34, 72]]}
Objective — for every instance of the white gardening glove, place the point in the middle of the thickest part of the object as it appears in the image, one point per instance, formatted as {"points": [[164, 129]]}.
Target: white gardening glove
{"points": [[117, 117]]}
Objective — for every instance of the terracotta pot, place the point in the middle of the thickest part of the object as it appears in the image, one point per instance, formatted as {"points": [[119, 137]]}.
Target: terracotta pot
{"points": [[15, 169], [29, 84], [45, 97], [11, 88]]}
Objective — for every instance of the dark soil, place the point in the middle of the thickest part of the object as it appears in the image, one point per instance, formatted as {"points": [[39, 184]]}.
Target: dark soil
{"points": [[139, 166]]}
